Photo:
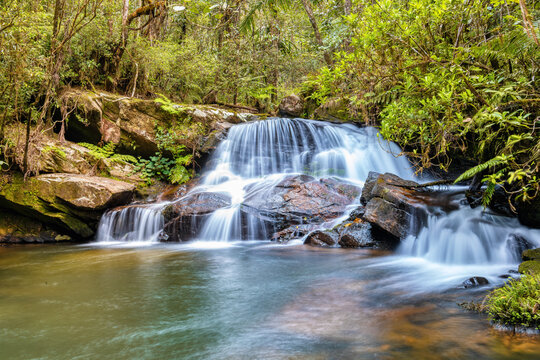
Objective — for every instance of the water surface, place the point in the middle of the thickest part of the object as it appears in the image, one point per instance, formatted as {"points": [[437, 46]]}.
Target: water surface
{"points": [[248, 300]]}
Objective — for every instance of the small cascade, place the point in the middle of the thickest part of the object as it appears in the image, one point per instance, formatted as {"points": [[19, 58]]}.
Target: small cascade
{"points": [[471, 236], [138, 223]]}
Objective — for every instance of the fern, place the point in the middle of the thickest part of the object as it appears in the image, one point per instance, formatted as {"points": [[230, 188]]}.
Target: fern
{"points": [[497, 160], [124, 158]]}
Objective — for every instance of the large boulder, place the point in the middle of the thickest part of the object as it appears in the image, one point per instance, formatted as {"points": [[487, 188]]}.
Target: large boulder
{"points": [[277, 209], [393, 205], [301, 199], [292, 105], [68, 202]]}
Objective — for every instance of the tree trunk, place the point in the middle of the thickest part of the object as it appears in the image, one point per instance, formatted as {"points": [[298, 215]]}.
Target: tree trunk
{"points": [[316, 32]]}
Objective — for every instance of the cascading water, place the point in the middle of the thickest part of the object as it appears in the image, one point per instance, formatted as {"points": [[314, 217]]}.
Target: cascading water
{"points": [[258, 155], [133, 223], [470, 236]]}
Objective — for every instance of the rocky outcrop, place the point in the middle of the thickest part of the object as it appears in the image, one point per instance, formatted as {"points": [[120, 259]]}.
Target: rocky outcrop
{"points": [[133, 124], [15, 228], [392, 205], [292, 105], [47, 154], [69, 203]]}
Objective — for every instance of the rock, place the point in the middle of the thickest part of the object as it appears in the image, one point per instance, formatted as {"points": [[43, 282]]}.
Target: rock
{"points": [[529, 267], [475, 281], [15, 228], [133, 124], [529, 213], [355, 235], [301, 199], [49, 155], [292, 105], [517, 244], [293, 232], [183, 218], [322, 238], [296, 200], [392, 206], [68, 202], [531, 254]]}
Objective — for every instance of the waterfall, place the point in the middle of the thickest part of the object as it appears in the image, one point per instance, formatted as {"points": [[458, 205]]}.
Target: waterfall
{"points": [[252, 160], [471, 236], [138, 223]]}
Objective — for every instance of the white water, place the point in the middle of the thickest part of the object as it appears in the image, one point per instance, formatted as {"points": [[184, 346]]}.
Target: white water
{"points": [[470, 236], [141, 224]]}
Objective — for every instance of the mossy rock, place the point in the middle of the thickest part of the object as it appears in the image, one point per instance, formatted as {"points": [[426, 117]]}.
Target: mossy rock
{"points": [[70, 202], [531, 254], [530, 267]]}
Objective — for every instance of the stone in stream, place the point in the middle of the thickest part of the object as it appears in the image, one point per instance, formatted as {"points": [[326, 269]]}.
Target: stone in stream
{"points": [[474, 281], [392, 204]]}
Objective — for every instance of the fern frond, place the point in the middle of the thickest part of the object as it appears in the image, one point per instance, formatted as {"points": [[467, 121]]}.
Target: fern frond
{"points": [[497, 160]]}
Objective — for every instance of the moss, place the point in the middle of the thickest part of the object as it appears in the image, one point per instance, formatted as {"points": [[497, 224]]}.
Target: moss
{"points": [[517, 303], [530, 267], [531, 254]]}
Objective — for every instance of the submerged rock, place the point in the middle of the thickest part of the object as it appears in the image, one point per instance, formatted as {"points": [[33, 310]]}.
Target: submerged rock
{"points": [[69, 202], [475, 281]]}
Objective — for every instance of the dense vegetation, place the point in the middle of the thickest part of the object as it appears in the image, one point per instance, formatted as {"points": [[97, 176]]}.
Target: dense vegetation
{"points": [[446, 79], [516, 303]]}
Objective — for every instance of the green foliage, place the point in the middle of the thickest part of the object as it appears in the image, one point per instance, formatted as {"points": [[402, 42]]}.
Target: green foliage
{"points": [[517, 303], [55, 150], [107, 152]]}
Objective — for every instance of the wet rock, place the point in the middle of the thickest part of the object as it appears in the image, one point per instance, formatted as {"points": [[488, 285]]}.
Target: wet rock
{"points": [[531, 262], [292, 105], [15, 228], [301, 199], [517, 244], [69, 202], [293, 232], [322, 238], [475, 281], [392, 205], [356, 235], [529, 267]]}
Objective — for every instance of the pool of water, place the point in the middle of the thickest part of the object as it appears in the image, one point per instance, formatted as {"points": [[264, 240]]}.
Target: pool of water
{"points": [[246, 300]]}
